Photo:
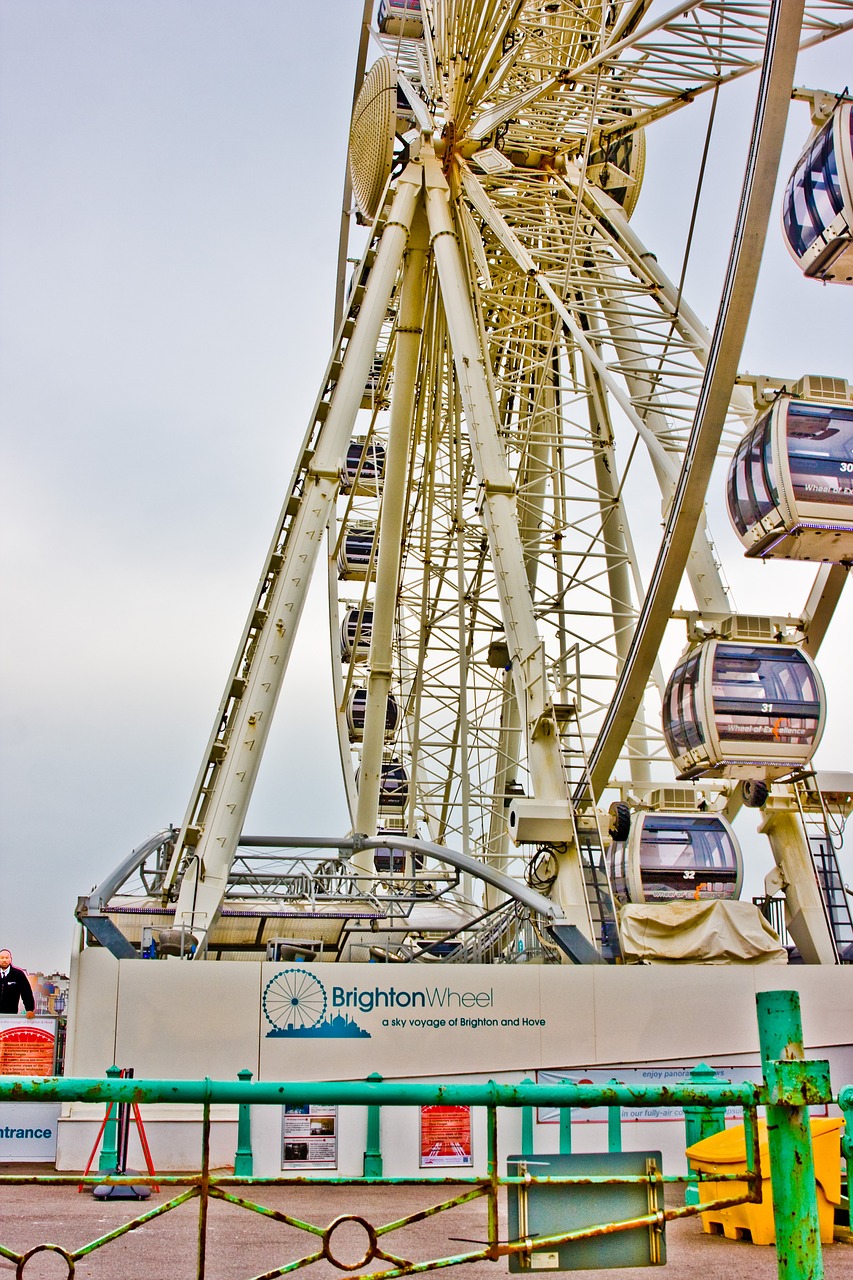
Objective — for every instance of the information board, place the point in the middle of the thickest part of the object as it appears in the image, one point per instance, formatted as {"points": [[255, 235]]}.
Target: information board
{"points": [[309, 1137], [27, 1045]]}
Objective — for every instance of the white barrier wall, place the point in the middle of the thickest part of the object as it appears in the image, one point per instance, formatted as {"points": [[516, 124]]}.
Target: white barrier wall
{"points": [[284, 1021]]}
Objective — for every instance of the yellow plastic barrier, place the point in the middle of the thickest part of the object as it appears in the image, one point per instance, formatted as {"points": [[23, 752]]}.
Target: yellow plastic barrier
{"points": [[725, 1152]]}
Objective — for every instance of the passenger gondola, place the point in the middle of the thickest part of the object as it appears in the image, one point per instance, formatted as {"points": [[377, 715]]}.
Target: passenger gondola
{"points": [[790, 485], [393, 786], [396, 861], [376, 388], [355, 556], [364, 467], [356, 708], [676, 855], [817, 214], [401, 18], [390, 861], [740, 710], [355, 638]]}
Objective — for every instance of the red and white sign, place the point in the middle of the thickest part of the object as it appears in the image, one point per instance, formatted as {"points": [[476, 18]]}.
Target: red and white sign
{"points": [[445, 1136], [27, 1046]]}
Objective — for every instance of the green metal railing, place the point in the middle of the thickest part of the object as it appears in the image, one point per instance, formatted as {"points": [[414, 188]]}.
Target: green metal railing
{"points": [[790, 1086]]}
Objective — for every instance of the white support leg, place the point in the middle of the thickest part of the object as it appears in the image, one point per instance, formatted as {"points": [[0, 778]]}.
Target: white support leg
{"points": [[805, 915], [206, 876]]}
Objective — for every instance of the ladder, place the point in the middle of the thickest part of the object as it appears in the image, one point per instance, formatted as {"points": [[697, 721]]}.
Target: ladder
{"points": [[822, 849], [590, 838]]}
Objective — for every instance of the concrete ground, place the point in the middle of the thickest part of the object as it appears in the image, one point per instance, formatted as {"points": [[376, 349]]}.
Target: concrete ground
{"points": [[244, 1244]]}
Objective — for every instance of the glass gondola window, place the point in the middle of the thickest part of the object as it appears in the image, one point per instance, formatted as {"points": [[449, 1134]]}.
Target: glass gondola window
{"points": [[764, 693], [820, 453], [682, 727], [393, 785], [686, 857], [355, 558], [751, 490], [390, 861], [357, 709], [813, 198], [364, 467], [359, 545], [356, 632]]}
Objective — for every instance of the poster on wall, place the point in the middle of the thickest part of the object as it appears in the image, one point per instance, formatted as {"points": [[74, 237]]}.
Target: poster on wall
{"points": [[309, 1137], [654, 1074], [27, 1046], [445, 1136]]}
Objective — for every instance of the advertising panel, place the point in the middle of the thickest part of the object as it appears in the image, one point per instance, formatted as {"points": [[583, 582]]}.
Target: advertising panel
{"points": [[445, 1137], [654, 1074], [309, 1137]]}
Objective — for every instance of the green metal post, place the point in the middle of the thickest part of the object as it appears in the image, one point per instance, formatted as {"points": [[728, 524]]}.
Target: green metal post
{"points": [[701, 1122], [845, 1102], [493, 1210], [373, 1146], [108, 1158], [527, 1127], [614, 1126], [243, 1159], [792, 1174], [565, 1131]]}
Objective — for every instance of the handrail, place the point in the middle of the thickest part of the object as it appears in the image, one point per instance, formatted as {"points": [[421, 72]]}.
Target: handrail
{"points": [[373, 1093]]}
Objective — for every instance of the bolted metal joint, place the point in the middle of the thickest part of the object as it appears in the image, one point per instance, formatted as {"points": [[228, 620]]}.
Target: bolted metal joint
{"points": [[796, 1083]]}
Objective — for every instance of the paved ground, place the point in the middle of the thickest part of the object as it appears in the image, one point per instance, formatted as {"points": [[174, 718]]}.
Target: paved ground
{"points": [[243, 1244]]}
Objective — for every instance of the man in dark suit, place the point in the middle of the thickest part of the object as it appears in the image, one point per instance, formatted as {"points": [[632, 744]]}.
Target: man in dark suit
{"points": [[14, 987]]}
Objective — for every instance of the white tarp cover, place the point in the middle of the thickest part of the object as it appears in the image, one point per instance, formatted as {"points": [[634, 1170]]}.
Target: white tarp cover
{"points": [[698, 933]]}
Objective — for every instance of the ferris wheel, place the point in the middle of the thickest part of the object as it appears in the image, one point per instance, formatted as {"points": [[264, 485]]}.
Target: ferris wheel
{"points": [[510, 356]]}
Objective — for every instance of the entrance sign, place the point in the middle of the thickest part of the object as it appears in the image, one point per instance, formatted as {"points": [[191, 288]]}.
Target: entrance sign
{"points": [[28, 1131], [445, 1136]]}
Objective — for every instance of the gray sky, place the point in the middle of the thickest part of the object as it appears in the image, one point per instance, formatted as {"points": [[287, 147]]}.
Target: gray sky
{"points": [[170, 180]]}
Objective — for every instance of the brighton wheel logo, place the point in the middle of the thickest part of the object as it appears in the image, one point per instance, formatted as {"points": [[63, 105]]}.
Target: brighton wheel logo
{"points": [[294, 1001]]}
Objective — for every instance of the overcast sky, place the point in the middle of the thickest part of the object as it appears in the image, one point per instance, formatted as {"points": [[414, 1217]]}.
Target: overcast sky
{"points": [[170, 184]]}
